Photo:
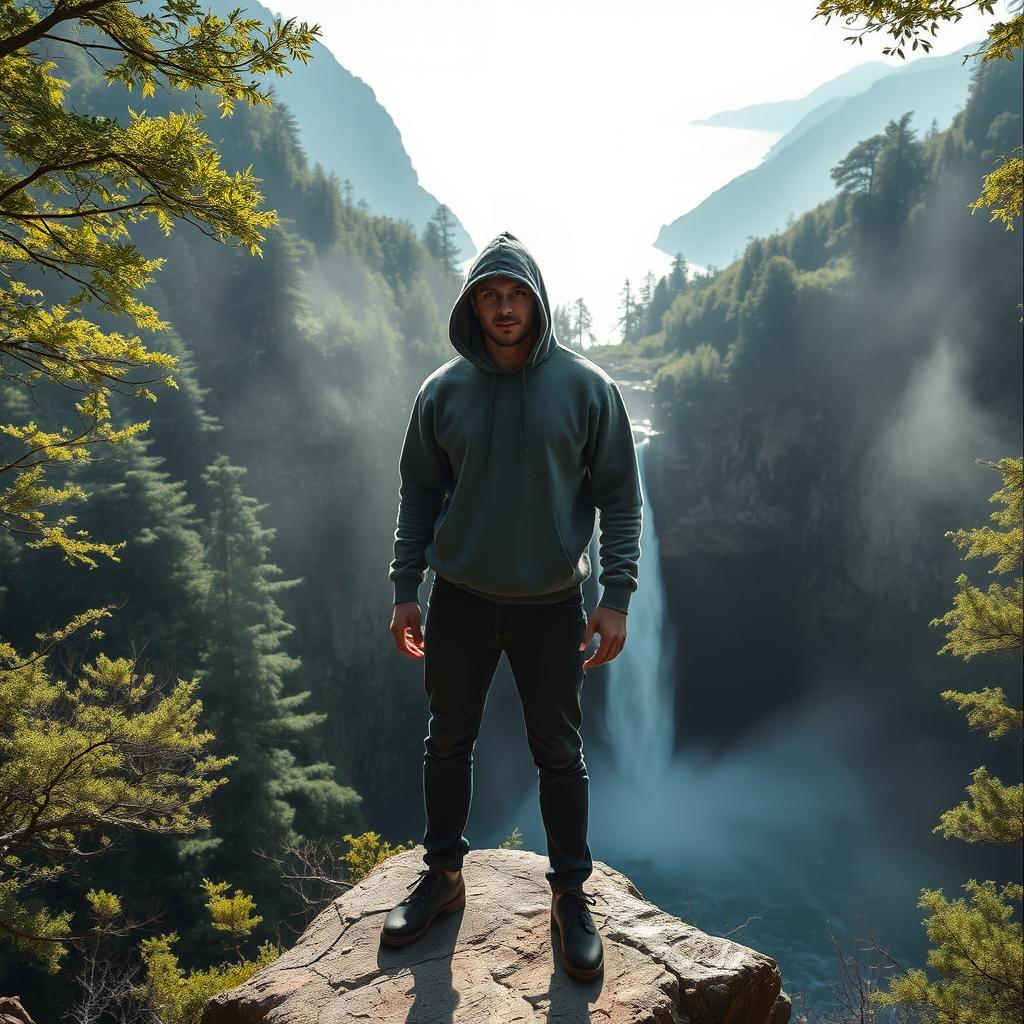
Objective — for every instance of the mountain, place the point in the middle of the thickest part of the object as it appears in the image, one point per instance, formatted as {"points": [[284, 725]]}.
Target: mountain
{"points": [[345, 129], [784, 115], [794, 176]]}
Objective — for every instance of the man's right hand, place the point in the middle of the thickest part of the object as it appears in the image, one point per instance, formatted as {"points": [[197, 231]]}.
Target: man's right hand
{"points": [[405, 628]]}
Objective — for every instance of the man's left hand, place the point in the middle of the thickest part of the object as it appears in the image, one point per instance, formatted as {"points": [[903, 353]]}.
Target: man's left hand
{"points": [[611, 624]]}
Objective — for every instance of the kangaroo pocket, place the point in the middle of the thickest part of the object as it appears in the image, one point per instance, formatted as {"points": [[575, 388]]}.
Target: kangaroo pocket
{"points": [[503, 549]]}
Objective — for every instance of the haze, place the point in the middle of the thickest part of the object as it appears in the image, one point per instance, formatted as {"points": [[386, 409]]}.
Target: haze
{"points": [[568, 124]]}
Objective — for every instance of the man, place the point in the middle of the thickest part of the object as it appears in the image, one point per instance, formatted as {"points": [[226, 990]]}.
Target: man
{"points": [[511, 448]]}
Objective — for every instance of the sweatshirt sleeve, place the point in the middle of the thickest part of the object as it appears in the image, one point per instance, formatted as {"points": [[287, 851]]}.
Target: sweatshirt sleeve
{"points": [[615, 487], [424, 483]]}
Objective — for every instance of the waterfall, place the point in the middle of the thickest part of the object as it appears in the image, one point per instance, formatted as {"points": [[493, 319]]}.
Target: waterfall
{"points": [[638, 722]]}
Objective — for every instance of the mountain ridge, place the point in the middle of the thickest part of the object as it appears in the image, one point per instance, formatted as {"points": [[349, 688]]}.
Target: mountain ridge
{"points": [[794, 175]]}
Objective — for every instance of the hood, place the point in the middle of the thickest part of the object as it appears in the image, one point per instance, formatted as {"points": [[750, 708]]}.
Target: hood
{"points": [[504, 256]]}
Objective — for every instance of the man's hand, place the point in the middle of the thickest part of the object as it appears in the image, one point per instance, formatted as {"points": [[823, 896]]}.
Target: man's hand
{"points": [[405, 628], [611, 624]]}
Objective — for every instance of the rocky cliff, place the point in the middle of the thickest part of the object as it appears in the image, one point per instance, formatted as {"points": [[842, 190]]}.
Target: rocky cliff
{"points": [[12, 1012], [494, 962]]}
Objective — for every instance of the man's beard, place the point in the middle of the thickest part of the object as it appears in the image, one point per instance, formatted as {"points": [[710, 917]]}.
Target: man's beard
{"points": [[510, 340]]}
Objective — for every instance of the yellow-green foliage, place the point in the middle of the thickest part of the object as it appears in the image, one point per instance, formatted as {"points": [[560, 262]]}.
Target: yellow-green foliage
{"points": [[365, 852], [907, 20], [232, 914], [987, 709], [995, 813], [990, 620], [104, 175], [79, 762], [514, 841], [36, 930], [978, 951], [175, 997], [1003, 191], [977, 955], [105, 906], [179, 999]]}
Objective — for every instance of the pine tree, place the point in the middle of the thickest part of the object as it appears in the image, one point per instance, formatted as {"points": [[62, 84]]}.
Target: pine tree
{"points": [[272, 798], [431, 238], [444, 238], [562, 324], [260, 305], [769, 332], [677, 278], [643, 306], [647, 288], [661, 299], [979, 956], [627, 304], [901, 174], [582, 324], [855, 173], [322, 214], [161, 578]]}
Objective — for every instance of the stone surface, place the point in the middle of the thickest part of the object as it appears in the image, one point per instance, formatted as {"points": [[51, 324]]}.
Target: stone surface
{"points": [[494, 962], [12, 1012]]}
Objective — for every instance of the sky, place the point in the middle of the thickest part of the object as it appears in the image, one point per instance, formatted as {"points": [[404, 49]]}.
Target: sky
{"points": [[567, 122]]}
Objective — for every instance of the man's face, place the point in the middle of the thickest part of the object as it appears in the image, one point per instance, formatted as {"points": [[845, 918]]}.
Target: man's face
{"points": [[507, 309]]}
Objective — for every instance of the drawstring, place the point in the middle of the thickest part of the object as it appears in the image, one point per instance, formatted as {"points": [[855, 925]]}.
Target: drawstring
{"points": [[522, 418], [490, 417], [490, 411]]}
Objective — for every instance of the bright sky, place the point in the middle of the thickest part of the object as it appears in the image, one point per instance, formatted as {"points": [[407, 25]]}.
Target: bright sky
{"points": [[566, 121]]}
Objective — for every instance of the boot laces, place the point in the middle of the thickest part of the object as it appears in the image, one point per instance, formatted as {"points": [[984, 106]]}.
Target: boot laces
{"points": [[576, 903], [425, 881]]}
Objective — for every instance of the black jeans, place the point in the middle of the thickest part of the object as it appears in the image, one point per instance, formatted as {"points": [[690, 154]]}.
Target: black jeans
{"points": [[463, 638]]}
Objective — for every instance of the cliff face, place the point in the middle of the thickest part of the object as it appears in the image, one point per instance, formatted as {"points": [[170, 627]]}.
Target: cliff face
{"points": [[826, 492], [344, 127], [495, 961], [774, 520], [794, 174]]}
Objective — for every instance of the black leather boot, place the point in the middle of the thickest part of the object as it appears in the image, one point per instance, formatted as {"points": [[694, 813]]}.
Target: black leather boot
{"points": [[434, 894], [579, 944]]}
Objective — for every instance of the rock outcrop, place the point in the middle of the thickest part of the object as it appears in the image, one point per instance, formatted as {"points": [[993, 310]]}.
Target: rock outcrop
{"points": [[12, 1012], [494, 962]]}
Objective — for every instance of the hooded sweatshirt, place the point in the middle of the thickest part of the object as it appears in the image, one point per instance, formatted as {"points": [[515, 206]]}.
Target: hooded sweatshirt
{"points": [[503, 472]]}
